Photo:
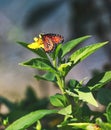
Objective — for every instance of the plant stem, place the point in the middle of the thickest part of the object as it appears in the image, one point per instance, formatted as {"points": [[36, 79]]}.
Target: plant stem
{"points": [[60, 80], [54, 63], [61, 84]]}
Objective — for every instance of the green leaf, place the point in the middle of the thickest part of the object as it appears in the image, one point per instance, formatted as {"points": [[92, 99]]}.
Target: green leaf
{"points": [[40, 52], [58, 100], [102, 125], [38, 125], [47, 76], [67, 47], [63, 67], [70, 93], [57, 52], [72, 84], [85, 95], [26, 121], [66, 111], [84, 52], [41, 64], [104, 96], [81, 54], [108, 113], [83, 126], [99, 80]]}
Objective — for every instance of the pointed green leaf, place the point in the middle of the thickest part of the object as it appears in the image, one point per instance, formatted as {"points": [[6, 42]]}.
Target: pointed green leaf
{"points": [[84, 52], [40, 52], [83, 126], [39, 63], [29, 119], [72, 84], [99, 80], [108, 113], [85, 95], [81, 54], [63, 67], [38, 125], [103, 125], [58, 100], [66, 110], [47, 76], [67, 47], [70, 93]]}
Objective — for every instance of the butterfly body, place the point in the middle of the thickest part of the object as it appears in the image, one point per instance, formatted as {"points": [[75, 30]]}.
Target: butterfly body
{"points": [[51, 40]]}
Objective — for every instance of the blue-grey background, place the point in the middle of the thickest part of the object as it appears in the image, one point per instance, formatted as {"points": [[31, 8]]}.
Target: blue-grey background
{"points": [[21, 20]]}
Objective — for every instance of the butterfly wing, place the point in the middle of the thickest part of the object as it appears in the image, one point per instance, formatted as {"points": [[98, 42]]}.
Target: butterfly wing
{"points": [[56, 38], [50, 40], [48, 43]]}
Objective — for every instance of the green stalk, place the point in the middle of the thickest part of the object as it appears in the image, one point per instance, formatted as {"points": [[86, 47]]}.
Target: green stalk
{"points": [[61, 82], [54, 63]]}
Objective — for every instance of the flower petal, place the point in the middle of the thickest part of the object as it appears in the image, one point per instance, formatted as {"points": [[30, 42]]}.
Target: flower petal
{"points": [[38, 43]]}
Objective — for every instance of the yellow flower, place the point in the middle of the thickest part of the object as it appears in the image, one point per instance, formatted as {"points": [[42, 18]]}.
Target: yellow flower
{"points": [[38, 43]]}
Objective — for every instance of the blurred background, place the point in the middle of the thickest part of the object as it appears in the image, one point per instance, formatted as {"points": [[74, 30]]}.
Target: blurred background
{"points": [[23, 20]]}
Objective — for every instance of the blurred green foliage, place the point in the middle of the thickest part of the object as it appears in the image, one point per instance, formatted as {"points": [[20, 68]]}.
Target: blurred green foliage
{"points": [[30, 103]]}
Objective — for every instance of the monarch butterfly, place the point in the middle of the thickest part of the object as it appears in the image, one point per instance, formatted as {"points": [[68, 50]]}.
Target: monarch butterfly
{"points": [[50, 40]]}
